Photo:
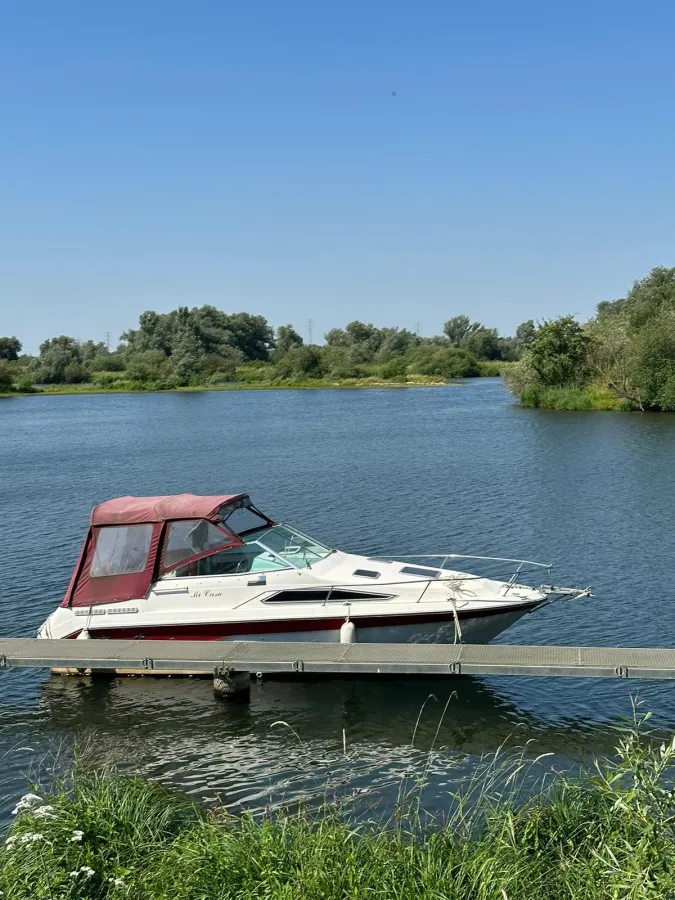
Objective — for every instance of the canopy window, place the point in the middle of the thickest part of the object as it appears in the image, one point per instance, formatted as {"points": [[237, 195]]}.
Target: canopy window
{"points": [[121, 551], [189, 539], [241, 517]]}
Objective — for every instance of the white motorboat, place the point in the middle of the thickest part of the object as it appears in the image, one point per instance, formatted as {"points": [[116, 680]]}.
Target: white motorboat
{"points": [[216, 568]]}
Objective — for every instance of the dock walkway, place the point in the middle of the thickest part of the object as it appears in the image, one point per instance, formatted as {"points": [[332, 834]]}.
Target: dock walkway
{"points": [[266, 658]]}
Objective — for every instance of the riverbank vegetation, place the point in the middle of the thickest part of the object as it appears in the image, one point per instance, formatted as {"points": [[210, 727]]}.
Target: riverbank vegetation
{"points": [[622, 358], [606, 832], [204, 347]]}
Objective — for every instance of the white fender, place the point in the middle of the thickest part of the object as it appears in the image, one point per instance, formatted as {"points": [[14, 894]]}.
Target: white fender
{"points": [[348, 632]]}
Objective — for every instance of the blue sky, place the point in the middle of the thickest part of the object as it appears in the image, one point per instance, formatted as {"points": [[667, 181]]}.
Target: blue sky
{"points": [[253, 155]]}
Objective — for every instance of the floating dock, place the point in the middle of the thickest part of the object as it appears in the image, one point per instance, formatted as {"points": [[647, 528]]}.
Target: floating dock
{"points": [[232, 662]]}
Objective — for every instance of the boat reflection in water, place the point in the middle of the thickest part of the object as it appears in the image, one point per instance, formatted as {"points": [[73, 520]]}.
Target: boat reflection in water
{"points": [[176, 730]]}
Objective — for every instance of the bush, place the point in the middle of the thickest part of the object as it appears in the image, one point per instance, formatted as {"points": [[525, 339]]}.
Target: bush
{"points": [[255, 372], [107, 362], [395, 369], [76, 373], [24, 384], [148, 367], [6, 377], [301, 362], [559, 353], [445, 362]]}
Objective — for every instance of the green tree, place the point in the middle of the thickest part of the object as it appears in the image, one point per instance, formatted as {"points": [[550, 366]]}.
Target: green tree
{"points": [[89, 350], [301, 362], [459, 328], [341, 363], [650, 297], [148, 367], [76, 373], [107, 362], [654, 367], [559, 354], [634, 342], [155, 332], [6, 377], [444, 362], [187, 356], [222, 366], [361, 336], [525, 334], [286, 337], [395, 342], [483, 343], [337, 337], [56, 355], [253, 335], [10, 348]]}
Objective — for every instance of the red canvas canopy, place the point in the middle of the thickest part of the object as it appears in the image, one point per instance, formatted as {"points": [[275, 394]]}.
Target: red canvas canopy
{"points": [[137, 510], [133, 541]]}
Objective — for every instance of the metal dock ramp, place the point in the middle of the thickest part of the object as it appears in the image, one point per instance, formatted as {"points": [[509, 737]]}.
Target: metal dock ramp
{"points": [[227, 659]]}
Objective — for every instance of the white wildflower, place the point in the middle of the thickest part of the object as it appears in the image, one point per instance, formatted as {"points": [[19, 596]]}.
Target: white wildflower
{"points": [[118, 882], [87, 871], [10, 840], [30, 837], [27, 802], [44, 812], [77, 837]]}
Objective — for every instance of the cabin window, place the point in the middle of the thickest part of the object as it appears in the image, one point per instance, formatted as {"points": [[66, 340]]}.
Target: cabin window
{"points": [[322, 595], [366, 573], [237, 561], [418, 570], [121, 551], [191, 537]]}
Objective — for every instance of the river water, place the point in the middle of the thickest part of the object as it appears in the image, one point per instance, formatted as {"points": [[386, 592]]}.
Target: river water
{"points": [[458, 468]]}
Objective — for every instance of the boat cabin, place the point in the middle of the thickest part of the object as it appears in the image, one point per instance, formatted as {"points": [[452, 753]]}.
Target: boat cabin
{"points": [[133, 542]]}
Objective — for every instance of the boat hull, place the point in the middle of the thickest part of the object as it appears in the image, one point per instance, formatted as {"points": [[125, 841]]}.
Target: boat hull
{"points": [[475, 630]]}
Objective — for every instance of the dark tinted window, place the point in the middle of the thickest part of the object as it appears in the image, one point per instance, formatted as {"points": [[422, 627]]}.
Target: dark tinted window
{"points": [[243, 520], [415, 570], [366, 573], [320, 594]]}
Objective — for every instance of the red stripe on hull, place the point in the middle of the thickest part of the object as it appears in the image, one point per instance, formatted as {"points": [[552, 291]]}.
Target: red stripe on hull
{"points": [[217, 631]]}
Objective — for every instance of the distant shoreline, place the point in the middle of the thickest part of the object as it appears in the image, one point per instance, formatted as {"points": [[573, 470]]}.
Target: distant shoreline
{"points": [[357, 384]]}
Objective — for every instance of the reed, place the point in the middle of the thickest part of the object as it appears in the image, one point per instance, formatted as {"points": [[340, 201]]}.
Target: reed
{"points": [[605, 832], [571, 398]]}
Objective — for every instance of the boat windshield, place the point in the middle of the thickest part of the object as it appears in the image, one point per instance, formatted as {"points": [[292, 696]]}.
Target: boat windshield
{"points": [[266, 549], [296, 549]]}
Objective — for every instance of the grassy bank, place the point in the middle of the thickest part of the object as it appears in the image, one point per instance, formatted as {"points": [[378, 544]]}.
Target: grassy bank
{"points": [[567, 398], [124, 387], [257, 377], [608, 832]]}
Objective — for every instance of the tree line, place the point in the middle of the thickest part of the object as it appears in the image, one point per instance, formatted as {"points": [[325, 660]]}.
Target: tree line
{"points": [[206, 346], [624, 356]]}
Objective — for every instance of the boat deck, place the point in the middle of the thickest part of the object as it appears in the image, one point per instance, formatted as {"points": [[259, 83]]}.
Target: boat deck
{"points": [[208, 657]]}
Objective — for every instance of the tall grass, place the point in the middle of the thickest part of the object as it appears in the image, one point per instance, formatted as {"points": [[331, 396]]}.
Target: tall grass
{"points": [[607, 832], [570, 398]]}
